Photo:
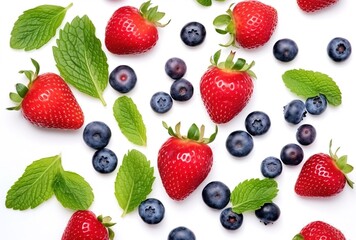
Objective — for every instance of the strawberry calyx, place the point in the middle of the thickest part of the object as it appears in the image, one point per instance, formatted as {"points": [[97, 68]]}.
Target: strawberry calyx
{"points": [[152, 14], [224, 24], [106, 221], [298, 237], [194, 133]]}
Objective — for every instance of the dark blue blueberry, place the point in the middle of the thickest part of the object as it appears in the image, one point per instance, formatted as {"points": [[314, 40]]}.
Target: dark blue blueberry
{"points": [[292, 154], [239, 143], [216, 195], [104, 161], [161, 102], [123, 79], [182, 90], [193, 34], [268, 213], [96, 134], [151, 211], [316, 105], [271, 167], [294, 111], [339, 49], [175, 68], [231, 220], [257, 123], [181, 233], [285, 50], [306, 134]]}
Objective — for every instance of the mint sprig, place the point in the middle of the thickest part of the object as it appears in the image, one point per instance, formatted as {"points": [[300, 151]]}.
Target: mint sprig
{"points": [[36, 26]]}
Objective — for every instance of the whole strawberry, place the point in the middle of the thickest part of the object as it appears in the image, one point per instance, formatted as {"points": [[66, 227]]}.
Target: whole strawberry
{"points": [[47, 101], [226, 87], [184, 161], [318, 230], [133, 31], [84, 225], [323, 175], [250, 23], [315, 5]]}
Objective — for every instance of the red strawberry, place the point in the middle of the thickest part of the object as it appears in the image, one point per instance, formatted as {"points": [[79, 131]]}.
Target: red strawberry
{"points": [[314, 5], [323, 175], [84, 225], [184, 161], [47, 101], [226, 87], [250, 23], [132, 31], [318, 230]]}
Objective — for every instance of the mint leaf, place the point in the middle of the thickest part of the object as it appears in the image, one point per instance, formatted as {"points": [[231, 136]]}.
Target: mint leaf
{"points": [[72, 191], [306, 83], [80, 58], [36, 26], [35, 185], [205, 3], [251, 194], [130, 120], [134, 181]]}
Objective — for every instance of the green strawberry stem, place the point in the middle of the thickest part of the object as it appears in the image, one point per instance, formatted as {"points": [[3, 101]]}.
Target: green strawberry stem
{"points": [[106, 221], [152, 14], [226, 21], [298, 237]]}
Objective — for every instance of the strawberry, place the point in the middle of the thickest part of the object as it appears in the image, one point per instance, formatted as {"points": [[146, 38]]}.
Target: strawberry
{"points": [[317, 230], [250, 24], [133, 31], [323, 175], [226, 87], [84, 225], [47, 101], [314, 5], [184, 161]]}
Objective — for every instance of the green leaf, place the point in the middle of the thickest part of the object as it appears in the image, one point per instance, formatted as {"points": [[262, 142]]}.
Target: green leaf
{"points": [[205, 3], [251, 194], [130, 120], [306, 83], [80, 58], [35, 185], [72, 191], [134, 181], [36, 26]]}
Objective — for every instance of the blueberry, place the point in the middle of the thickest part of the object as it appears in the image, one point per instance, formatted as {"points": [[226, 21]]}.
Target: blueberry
{"points": [[231, 220], [123, 78], [151, 211], [292, 154], [96, 134], [216, 195], [268, 213], [285, 50], [104, 160], [181, 233], [257, 123], [294, 111], [316, 105], [193, 34], [339, 49], [175, 68], [182, 90], [239, 143], [271, 167], [306, 134], [161, 102]]}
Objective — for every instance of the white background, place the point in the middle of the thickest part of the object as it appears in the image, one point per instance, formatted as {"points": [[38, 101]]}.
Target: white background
{"points": [[23, 143]]}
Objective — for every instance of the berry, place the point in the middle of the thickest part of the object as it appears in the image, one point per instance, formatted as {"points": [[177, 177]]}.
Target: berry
{"points": [[123, 79], [193, 34], [104, 160], [292, 154], [181, 233], [319, 230], [314, 5], [182, 90], [175, 68], [151, 211], [316, 105], [271, 167], [97, 134], [161, 102], [239, 143], [294, 111], [231, 220], [216, 195], [257, 123], [339, 49], [306, 134], [268, 213], [285, 50]]}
